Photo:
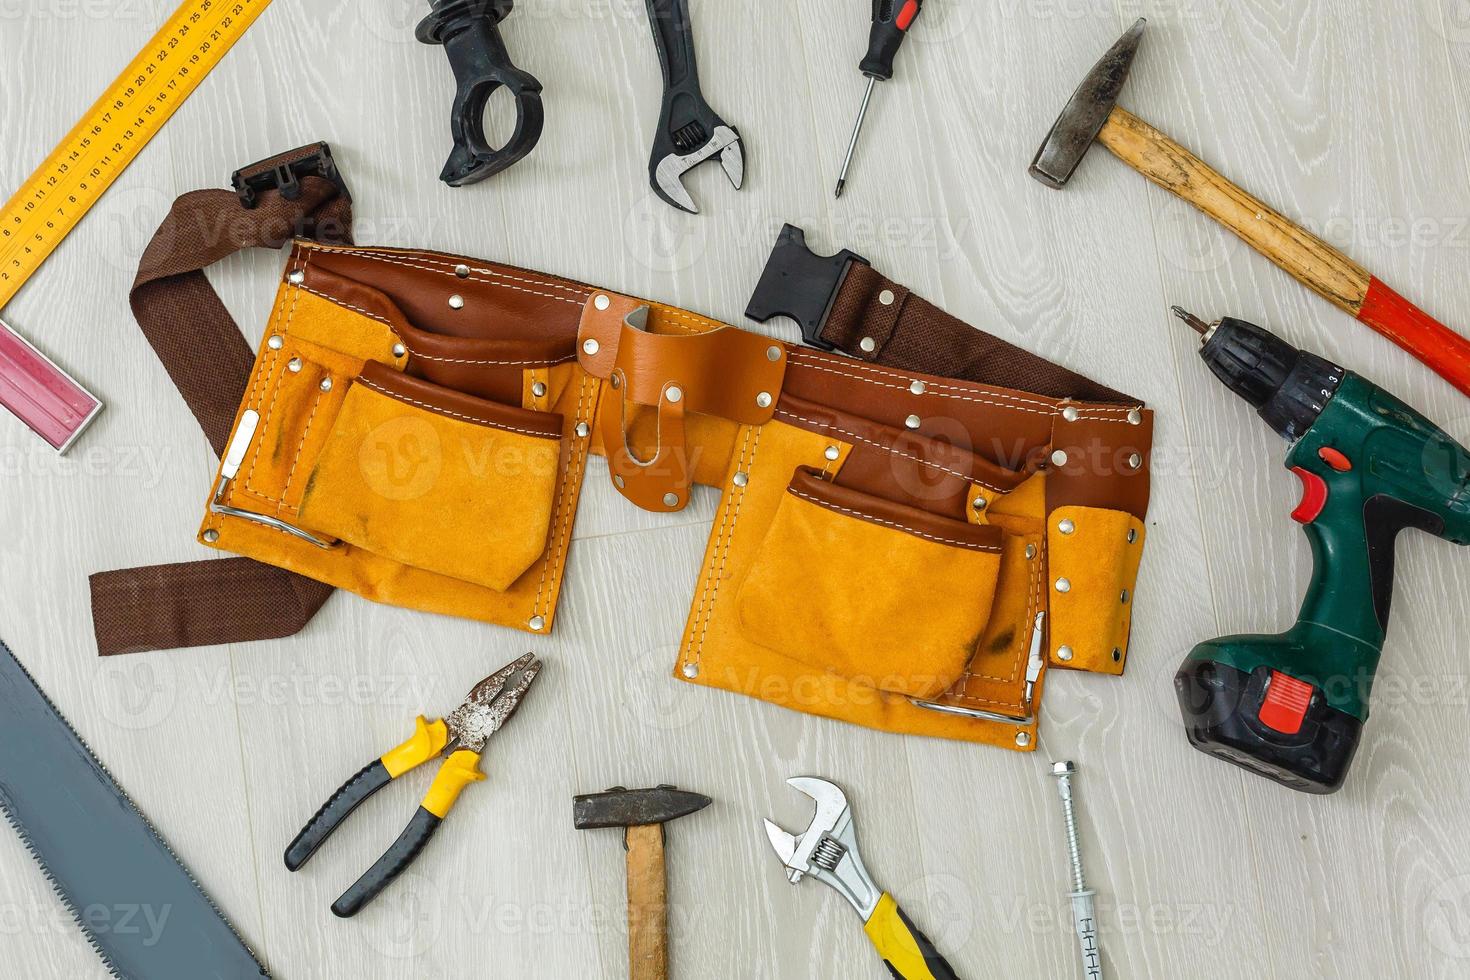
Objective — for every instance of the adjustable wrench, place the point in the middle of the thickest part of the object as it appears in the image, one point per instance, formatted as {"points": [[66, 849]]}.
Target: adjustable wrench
{"points": [[828, 852], [689, 131]]}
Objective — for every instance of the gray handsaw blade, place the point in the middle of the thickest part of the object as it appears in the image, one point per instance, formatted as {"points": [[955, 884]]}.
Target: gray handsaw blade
{"points": [[140, 908]]}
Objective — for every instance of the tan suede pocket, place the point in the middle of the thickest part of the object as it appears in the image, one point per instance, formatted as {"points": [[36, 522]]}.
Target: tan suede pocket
{"points": [[436, 479], [869, 589]]}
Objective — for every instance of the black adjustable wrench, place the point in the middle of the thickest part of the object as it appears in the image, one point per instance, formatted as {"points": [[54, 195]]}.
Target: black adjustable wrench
{"points": [[689, 131]]}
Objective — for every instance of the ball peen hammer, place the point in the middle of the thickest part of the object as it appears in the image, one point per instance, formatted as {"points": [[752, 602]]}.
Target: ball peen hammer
{"points": [[641, 814], [1093, 115]]}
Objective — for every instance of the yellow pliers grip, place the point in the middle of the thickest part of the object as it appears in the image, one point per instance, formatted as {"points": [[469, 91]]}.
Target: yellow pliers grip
{"points": [[459, 770], [907, 952], [426, 742]]}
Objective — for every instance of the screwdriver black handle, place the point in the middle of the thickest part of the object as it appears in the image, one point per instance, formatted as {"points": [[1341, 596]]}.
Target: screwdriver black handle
{"points": [[891, 22]]}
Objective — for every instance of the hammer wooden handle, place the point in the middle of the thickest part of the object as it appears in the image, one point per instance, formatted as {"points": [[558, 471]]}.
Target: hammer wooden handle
{"points": [[648, 894], [1309, 259]]}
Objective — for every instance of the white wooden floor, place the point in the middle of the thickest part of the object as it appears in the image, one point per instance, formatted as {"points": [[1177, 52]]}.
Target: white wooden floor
{"points": [[1350, 114]]}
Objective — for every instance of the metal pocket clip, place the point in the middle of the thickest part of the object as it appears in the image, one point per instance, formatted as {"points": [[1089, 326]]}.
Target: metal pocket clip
{"points": [[230, 468]]}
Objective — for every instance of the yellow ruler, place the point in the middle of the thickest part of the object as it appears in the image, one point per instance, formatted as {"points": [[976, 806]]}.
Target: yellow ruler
{"points": [[100, 147]]}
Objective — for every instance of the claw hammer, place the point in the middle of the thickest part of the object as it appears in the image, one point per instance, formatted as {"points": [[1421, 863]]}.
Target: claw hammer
{"points": [[1094, 115]]}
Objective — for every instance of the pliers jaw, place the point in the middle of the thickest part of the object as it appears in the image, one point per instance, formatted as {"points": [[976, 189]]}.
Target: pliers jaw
{"points": [[491, 703], [827, 850]]}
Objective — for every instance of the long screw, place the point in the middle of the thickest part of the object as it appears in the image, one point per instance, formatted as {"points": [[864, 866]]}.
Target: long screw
{"points": [[1084, 913]]}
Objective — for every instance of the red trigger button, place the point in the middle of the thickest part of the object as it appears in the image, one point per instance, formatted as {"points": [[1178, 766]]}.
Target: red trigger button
{"points": [[1314, 496]]}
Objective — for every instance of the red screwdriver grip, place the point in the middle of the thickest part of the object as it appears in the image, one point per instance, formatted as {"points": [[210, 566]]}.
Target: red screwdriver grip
{"points": [[1433, 343]]}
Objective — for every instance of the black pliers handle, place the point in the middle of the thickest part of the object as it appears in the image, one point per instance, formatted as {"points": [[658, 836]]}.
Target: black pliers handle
{"points": [[428, 741]]}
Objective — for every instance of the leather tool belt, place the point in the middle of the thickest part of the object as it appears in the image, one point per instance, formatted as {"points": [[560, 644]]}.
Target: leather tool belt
{"points": [[894, 547]]}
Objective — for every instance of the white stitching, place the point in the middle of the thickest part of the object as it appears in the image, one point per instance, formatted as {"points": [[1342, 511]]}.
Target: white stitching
{"points": [[889, 449], [295, 462], [432, 357], [939, 389], [495, 279], [451, 264], [725, 553], [707, 577], [1033, 601], [931, 387], [563, 502], [992, 549], [396, 396]]}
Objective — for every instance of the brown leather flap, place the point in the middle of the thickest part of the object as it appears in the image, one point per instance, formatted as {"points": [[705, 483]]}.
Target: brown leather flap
{"points": [[721, 370]]}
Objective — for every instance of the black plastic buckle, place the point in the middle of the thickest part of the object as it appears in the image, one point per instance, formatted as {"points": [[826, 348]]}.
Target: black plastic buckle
{"points": [[800, 284], [284, 173]]}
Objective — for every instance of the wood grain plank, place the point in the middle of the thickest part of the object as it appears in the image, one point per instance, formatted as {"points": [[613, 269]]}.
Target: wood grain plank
{"points": [[1200, 870]]}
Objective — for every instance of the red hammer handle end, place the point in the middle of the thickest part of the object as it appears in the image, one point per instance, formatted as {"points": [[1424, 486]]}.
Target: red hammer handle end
{"points": [[1433, 343]]}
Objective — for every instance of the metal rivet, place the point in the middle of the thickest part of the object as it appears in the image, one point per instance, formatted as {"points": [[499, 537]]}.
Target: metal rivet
{"points": [[537, 623], [1132, 535], [399, 350], [297, 278], [763, 400], [463, 271], [294, 365], [832, 453], [1125, 597], [538, 389], [691, 671], [671, 499], [1059, 458], [918, 388], [773, 353], [1135, 461], [674, 393], [1117, 654], [1064, 585], [1069, 413], [211, 535], [1064, 654], [590, 346], [601, 302], [913, 421], [326, 384], [1031, 552], [1023, 739], [741, 478], [979, 503], [868, 344], [619, 482], [886, 297], [1066, 526], [1135, 417], [583, 430], [275, 343], [616, 381], [456, 302]]}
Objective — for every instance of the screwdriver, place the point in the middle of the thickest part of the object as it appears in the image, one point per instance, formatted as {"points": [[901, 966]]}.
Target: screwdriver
{"points": [[891, 23]]}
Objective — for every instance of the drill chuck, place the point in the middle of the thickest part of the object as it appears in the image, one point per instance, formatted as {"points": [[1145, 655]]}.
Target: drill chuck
{"points": [[1288, 387]]}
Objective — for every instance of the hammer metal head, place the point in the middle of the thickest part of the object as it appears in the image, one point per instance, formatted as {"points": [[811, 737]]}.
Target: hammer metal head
{"points": [[1084, 117], [620, 807]]}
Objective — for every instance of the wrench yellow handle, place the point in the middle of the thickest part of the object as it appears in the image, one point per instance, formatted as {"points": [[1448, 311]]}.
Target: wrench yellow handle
{"points": [[907, 952]]}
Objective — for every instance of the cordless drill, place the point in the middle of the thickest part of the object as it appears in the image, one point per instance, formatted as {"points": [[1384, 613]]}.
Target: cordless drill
{"points": [[1292, 707]]}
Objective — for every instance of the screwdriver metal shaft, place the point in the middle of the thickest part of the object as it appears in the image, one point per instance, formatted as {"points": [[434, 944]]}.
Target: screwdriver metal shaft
{"points": [[856, 132], [891, 22]]}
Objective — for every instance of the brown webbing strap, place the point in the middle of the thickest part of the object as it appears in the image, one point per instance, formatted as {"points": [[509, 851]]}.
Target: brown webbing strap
{"points": [[912, 334], [228, 600]]}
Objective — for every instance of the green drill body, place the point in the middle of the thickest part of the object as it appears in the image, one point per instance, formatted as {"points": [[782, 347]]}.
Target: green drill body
{"points": [[1291, 706]]}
